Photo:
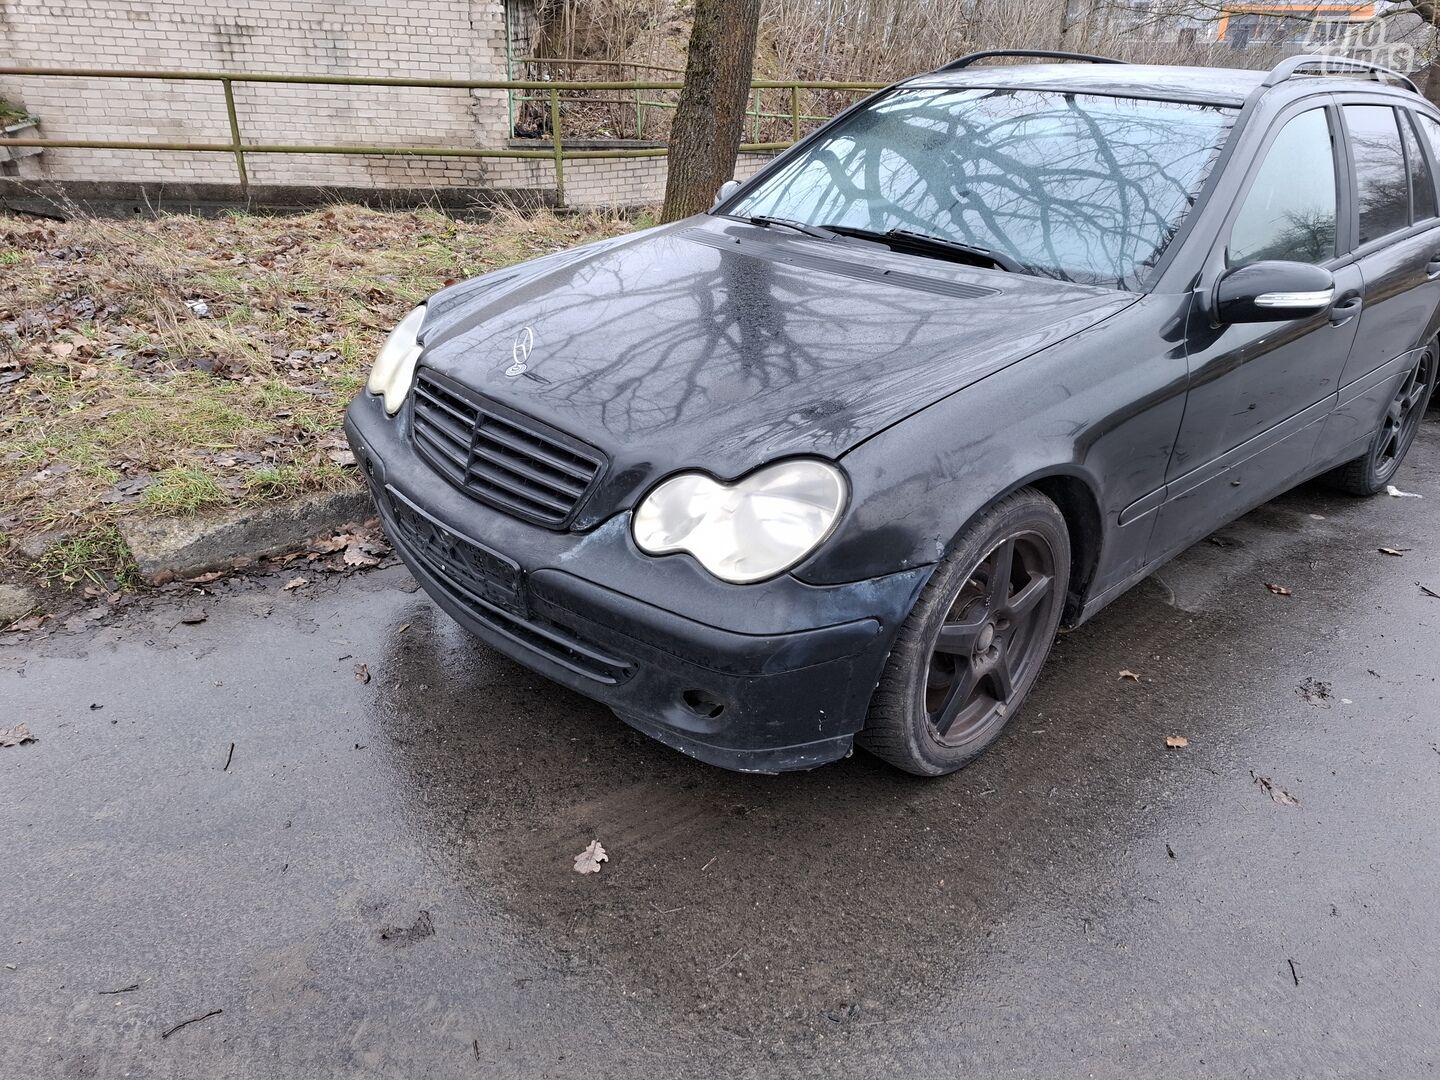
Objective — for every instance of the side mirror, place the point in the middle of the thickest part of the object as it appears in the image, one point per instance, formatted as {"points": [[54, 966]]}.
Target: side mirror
{"points": [[728, 188], [1273, 291]]}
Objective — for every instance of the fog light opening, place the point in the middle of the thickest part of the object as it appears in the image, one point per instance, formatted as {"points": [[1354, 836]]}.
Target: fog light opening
{"points": [[702, 704]]}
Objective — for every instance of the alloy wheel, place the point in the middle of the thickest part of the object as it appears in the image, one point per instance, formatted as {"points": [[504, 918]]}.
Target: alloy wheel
{"points": [[1402, 419], [992, 636]]}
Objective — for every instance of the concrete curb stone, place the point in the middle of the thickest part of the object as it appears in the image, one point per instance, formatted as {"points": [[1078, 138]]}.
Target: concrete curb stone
{"points": [[170, 548], [16, 601]]}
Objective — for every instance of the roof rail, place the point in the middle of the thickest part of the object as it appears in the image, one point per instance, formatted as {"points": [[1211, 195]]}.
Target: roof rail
{"points": [[1045, 54], [1291, 66]]}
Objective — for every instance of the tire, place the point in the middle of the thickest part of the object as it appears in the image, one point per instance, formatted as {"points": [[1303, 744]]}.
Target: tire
{"points": [[994, 645], [1370, 473]]}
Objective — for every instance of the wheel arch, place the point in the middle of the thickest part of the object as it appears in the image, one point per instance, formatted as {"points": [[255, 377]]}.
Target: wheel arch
{"points": [[1074, 493]]}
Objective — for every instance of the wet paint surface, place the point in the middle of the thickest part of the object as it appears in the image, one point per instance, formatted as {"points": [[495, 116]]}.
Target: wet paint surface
{"points": [[1023, 918]]}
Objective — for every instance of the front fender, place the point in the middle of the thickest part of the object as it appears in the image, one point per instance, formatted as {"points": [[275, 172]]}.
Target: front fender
{"points": [[1103, 407]]}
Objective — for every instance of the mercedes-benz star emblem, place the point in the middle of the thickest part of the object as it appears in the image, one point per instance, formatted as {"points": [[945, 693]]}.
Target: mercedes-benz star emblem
{"points": [[520, 352]]}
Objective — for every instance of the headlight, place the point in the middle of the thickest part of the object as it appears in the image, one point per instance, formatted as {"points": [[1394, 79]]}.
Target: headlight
{"points": [[749, 530], [394, 368]]}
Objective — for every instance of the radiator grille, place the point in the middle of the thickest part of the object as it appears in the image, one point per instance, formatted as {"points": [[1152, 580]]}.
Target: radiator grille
{"points": [[499, 456]]}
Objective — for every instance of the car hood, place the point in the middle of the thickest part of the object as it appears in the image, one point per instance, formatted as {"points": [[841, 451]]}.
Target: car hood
{"points": [[720, 345]]}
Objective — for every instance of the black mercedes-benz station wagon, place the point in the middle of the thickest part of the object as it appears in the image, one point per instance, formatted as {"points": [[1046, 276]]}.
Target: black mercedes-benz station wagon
{"points": [[831, 463]]}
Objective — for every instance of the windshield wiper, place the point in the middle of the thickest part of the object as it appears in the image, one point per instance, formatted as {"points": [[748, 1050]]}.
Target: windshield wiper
{"points": [[816, 231], [935, 245]]}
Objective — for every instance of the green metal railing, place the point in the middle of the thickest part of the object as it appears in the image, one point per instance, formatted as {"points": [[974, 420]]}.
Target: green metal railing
{"points": [[553, 91], [755, 112]]}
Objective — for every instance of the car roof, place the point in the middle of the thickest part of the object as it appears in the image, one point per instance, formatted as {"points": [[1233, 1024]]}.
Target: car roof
{"points": [[1203, 85]]}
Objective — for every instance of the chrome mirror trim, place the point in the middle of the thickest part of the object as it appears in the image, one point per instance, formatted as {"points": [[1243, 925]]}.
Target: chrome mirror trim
{"points": [[1317, 299]]}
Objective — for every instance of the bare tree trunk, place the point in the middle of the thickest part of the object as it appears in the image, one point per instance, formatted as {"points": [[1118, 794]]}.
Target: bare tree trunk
{"points": [[705, 135]]}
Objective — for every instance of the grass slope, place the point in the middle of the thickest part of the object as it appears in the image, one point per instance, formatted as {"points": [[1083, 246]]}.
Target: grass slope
{"points": [[177, 364]]}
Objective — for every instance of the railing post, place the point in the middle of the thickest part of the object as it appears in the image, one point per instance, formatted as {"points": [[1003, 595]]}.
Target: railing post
{"points": [[795, 113], [235, 137], [559, 150], [755, 127]]}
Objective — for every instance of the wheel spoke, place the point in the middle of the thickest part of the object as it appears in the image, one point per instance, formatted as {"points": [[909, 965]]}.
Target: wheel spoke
{"points": [[1413, 398], [1411, 382], [1002, 563], [1001, 678], [1025, 601], [962, 689], [958, 638], [1391, 445]]}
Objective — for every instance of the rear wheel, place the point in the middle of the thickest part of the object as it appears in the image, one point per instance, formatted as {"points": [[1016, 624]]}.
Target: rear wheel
{"points": [[973, 647], [1370, 473]]}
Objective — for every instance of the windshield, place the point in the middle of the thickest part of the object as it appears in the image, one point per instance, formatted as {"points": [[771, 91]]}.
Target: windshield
{"points": [[1080, 187]]}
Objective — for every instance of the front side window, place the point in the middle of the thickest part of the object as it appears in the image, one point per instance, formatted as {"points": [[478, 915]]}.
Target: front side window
{"points": [[1382, 187], [1289, 211], [1081, 187]]}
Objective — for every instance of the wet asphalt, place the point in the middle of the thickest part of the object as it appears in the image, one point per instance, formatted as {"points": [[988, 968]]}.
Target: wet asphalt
{"points": [[380, 883]]}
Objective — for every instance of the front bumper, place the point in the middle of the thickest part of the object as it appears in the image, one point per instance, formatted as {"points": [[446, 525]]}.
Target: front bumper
{"points": [[766, 678]]}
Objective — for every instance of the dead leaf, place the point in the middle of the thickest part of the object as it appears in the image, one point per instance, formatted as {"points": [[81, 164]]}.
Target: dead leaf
{"points": [[294, 583], [355, 555], [1396, 493], [362, 673], [62, 349], [1429, 591], [1279, 795], [1176, 742], [1392, 551], [29, 622], [1130, 675], [589, 860], [1278, 590], [19, 735], [403, 628], [342, 458]]}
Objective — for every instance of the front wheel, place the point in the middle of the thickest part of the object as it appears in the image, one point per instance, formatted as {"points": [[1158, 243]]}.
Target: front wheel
{"points": [[1370, 473], [969, 653]]}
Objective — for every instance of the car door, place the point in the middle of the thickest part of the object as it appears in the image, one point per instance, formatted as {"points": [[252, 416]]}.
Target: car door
{"points": [[1260, 392], [1397, 233]]}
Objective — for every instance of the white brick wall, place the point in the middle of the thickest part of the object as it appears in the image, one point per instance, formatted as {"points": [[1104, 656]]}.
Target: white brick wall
{"points": [[444, 39]]}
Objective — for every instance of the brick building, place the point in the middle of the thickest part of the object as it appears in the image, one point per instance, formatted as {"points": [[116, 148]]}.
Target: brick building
{"points": [[443, 39]]}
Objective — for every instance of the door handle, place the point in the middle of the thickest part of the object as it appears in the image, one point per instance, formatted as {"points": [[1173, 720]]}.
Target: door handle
{"points": [[1432, 268], [1343, 311]]}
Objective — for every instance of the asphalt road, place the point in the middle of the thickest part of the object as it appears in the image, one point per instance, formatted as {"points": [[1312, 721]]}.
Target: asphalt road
{"points": [[379, 884]]}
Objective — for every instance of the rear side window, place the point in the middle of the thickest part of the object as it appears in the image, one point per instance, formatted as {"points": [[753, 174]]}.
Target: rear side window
{"points": [[1289, 211], [1422, 184], [1430, 128], [1382, 187]]}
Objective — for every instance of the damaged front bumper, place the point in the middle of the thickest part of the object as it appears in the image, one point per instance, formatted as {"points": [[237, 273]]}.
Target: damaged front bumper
{"points": [[767, 677]]}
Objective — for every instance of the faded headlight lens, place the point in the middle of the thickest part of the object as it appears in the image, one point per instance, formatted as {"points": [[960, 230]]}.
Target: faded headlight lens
{"points": [[748, 530], [394, 368]]}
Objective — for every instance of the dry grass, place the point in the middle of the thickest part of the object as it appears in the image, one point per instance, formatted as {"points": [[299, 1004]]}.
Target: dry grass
{"points": [[177, 364]]}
